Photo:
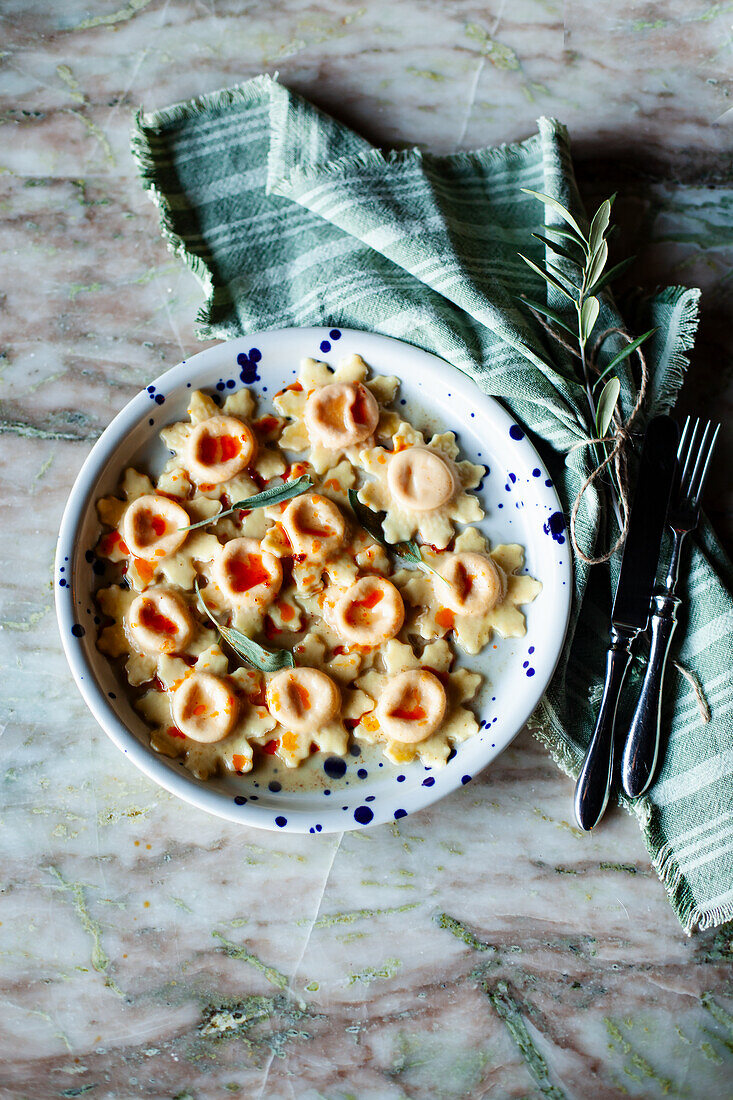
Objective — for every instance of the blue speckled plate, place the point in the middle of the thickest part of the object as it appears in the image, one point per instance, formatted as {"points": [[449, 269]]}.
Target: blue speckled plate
{"points": [[521, 506]]}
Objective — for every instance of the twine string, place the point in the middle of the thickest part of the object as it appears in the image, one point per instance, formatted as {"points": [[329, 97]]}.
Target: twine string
{"points": [[617, 457], [692, 680]]}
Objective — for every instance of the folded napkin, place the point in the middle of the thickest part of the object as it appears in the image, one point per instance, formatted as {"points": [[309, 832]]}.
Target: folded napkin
{"points": [[290, 218]]}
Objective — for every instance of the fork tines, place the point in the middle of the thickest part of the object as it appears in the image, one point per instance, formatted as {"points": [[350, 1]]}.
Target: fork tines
{"points": [[693, 460]]}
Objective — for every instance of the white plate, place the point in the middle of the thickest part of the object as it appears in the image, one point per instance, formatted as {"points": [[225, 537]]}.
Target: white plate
{"points": [[521, 506]]}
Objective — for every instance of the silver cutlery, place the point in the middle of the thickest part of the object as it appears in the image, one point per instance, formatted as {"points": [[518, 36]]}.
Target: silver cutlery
{"points": [[630, 608], [642, 743]]}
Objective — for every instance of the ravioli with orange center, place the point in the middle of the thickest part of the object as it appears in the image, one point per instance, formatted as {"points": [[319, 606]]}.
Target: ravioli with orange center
{"points": [[317, 533], [477, 593], [205, 714], [149, 625], [420, 486], [417, 704], [336, 412], [148, 533], [311, 704], [220, 451], [245, 585]]}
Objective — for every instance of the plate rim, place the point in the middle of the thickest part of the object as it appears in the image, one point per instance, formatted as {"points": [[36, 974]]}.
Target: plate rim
{"points": [[183, 785]]}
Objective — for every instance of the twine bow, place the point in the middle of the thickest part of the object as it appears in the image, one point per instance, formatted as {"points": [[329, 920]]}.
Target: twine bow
{"points": [[617, 457]]}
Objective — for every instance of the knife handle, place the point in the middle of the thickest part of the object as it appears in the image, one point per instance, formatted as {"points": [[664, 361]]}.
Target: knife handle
{"points": [[642, 742], [594, 781]]}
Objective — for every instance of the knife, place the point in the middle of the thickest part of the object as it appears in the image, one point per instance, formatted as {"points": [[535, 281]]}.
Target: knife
{"points": [[630, 608]]}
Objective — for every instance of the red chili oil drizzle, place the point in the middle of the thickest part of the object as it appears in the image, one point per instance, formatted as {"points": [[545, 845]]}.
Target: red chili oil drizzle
{"points": [[246, 573], [155, 621], [367, 604], [359, 408], [215, 449], [258, 698], [266, 425], [417, 714], [316, 532], [110, 541], [294, 386], [259, 480]]}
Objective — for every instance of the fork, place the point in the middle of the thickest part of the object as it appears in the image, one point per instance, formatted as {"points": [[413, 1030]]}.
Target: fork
{"points": [[642, 743]]}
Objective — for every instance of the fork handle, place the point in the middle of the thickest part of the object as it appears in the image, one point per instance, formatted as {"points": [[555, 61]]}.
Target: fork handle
{"points": [[642, 743]]}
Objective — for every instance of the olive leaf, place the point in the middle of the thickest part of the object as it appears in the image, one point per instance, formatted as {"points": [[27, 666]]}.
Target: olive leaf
{"points": [[606, 405], [264, 660], [559, 209], [547, 277], [276, 495], [551, 313], [567, 235], [597, 262], [629, 349], [409, 551], [558, 248], [588, 316], [599, 225]]}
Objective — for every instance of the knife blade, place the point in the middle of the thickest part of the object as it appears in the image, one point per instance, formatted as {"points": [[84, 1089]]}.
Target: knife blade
{"points": [[631, 606], [646, 524]]}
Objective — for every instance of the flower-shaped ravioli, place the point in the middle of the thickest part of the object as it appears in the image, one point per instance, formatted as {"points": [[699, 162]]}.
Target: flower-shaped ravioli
{"points": [[244, 584], [420, 486], [331, 546], [311, 703], [152, 523], [221, 713], [476, 594], [148, 626], [336, 412], [218, 451], [419, 700]]}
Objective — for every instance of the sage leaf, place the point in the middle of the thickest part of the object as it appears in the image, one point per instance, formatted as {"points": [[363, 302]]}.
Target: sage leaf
{"points": [[557, 207], [588, 316], [264, 660], [547, 277], [409, 551], [275, 495], [606, 405], [368, 520], [625, 352]]}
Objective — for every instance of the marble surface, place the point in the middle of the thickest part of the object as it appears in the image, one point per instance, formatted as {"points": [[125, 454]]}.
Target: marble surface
{"points": [[481, 948]]}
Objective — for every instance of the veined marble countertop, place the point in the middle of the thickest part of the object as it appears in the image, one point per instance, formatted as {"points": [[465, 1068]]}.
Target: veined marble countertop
{"points": [[484, 947]]}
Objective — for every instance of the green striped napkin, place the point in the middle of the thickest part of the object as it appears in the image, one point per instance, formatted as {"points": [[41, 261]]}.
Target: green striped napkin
{"points": [[289, 218]]}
